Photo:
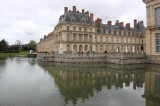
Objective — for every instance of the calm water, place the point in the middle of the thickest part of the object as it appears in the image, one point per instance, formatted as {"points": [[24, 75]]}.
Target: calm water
{"points": [[24, 82]]}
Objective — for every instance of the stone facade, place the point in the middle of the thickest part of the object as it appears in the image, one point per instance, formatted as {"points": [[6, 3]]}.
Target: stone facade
{"points": [[153, 30], [79, 32]]}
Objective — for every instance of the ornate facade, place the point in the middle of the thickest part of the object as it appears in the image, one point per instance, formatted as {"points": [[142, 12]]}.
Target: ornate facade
{"points": [[153, 29], [79, 32]]}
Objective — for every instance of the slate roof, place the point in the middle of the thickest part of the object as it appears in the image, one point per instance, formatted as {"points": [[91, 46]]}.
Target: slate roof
{"points": [[84, 18], [74, 17]]}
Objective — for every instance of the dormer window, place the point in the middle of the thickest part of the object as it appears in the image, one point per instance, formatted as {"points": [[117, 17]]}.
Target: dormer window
{"points": [[84, 19], [115, 32], [73, 18], [104, 31]]}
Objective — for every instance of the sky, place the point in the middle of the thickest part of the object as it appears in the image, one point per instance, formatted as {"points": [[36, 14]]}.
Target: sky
{"points": [[27, 20]]}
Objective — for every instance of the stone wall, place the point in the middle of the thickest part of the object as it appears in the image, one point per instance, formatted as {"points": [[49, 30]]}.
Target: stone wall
{"points": [[115, 58]]}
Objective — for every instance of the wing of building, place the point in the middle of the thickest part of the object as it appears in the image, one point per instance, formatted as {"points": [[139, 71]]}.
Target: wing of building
{"points": [[79, 32], [153, 30]]}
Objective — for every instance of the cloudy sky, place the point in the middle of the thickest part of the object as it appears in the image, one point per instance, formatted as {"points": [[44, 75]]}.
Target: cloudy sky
{"points": [[27, 20]]}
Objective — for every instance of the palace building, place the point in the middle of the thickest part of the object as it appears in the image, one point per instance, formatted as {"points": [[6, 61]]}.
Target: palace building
{"points": [[153, 29], [78, 32]]}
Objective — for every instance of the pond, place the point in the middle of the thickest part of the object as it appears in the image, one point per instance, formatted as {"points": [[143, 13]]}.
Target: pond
{"points": [[26, 82]]}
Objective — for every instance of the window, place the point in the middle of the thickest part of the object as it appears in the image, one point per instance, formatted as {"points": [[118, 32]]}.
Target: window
{"points": [[68, 37], [104, 31], [90, 29], [122, 40], [117, 40], [106, 39], [74, 37], [112, 39], [126, 40], [101, 39], [115, 32], [157, 16], [68, 47], [119, 32], [101, 47], [74, 28], [96, 39], [106, 47], [85, 37], [90, 38], [79, 28], [67, 28], [109, 31], [157, 42], [80, 37], [85, 29]]}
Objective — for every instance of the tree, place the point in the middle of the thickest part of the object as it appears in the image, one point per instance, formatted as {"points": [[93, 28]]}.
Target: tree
{"points": [[32, 45], [4, 45]]}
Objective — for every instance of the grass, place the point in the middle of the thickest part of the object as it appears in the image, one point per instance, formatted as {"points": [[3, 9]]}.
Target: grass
{"points": [[21, 54]]}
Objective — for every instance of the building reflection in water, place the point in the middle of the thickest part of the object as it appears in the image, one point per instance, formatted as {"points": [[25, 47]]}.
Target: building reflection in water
{"points": [[80, 82], [152, 86]]}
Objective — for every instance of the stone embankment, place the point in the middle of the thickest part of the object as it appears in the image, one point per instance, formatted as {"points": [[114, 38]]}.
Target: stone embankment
{"points": [[114, 58]]}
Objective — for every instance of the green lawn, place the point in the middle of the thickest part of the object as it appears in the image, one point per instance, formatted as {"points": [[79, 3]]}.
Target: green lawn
{"points": [[21, 54]]}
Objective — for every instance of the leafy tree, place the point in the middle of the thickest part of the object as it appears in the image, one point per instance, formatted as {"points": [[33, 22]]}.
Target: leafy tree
{"points": [[3, 45], [32, 45]]}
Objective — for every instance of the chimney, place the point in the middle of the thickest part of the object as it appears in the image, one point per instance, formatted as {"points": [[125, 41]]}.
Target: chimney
{"points": [[82, 10], [87, 12], [74, 8], [128, 25], [65, 10], [109, 23], [117, 22], [142, 22], [135, 23], [91, 17], [99, 21], [121, 24]]}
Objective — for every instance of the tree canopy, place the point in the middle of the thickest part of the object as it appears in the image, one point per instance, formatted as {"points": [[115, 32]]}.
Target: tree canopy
{"points": [[32, 45], [4, 45]]}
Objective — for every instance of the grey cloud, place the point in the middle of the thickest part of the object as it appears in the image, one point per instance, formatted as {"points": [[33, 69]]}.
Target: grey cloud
{"points": [[31, 19]]}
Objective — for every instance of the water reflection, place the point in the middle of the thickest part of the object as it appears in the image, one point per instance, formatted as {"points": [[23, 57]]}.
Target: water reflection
{"points": [[23, 82], [80, 83], [152, 86]]}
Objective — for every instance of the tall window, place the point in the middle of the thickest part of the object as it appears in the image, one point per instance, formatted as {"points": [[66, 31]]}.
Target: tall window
{"points": [[106, 39], [80, 37], [79, 28], [67, 28], [85, 29], [112, 39], [101, 39], [90, 38], [90, 29], [157, 16], [117, 40], [157, 42], [68, 37], [74, 37], [85, 37], [74, 28]]}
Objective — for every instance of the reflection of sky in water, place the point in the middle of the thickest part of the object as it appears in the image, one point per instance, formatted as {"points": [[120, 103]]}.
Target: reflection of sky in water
{"points": [[24, 83]]}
